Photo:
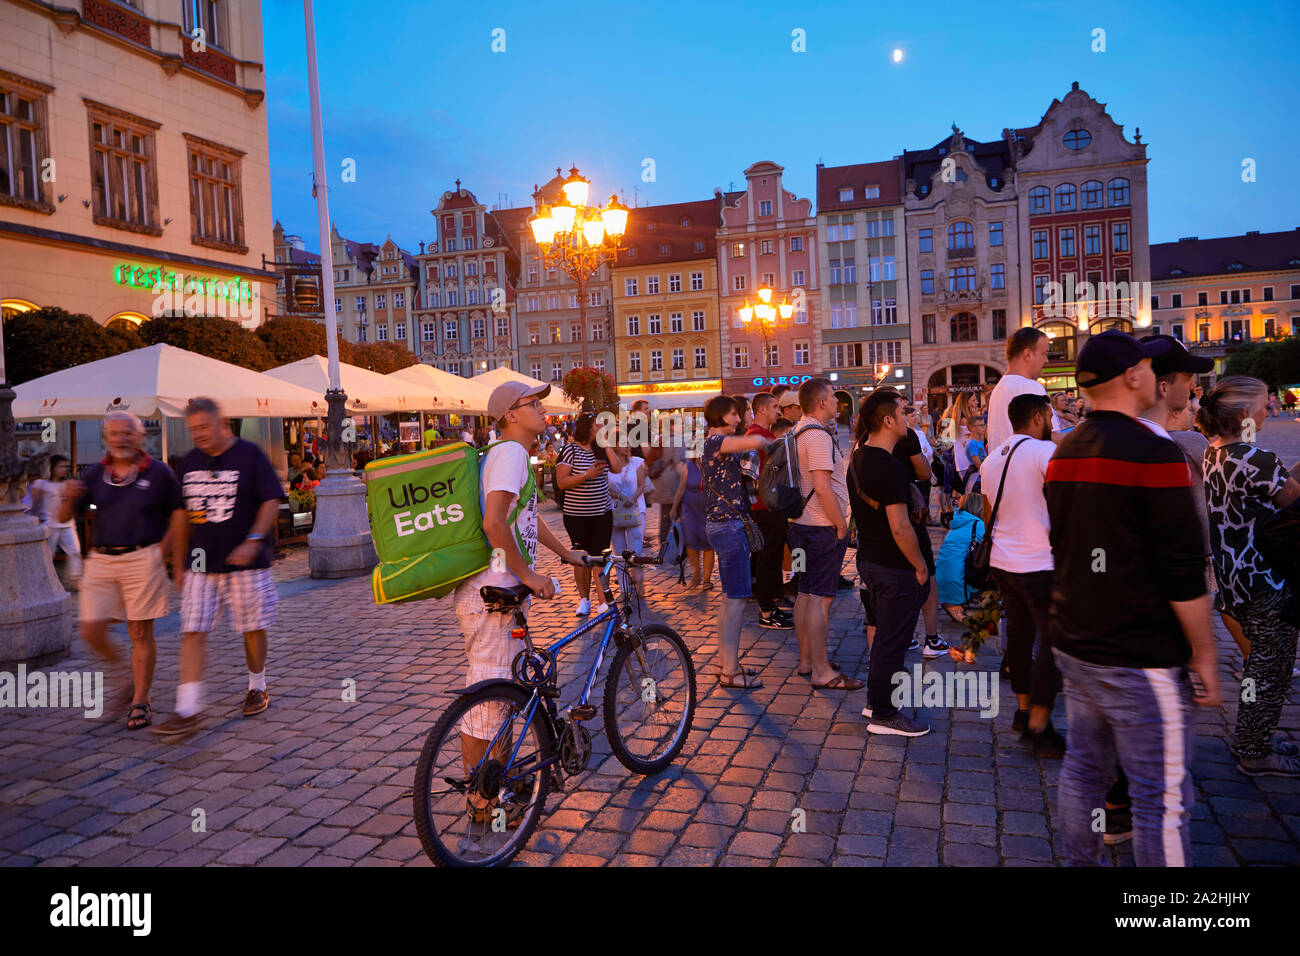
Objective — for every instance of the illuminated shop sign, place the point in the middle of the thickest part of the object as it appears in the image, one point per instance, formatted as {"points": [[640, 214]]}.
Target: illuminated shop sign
{"points": [[767, 382], [158, 279]]}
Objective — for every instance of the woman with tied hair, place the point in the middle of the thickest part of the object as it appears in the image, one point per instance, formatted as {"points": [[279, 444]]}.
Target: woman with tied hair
{"points": [[1245, 485], [727, 510]]}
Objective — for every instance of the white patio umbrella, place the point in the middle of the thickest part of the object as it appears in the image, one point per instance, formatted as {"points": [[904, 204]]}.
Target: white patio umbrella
{"points": [[369, 393], [158, 381], [462, 396], [554, 403]]}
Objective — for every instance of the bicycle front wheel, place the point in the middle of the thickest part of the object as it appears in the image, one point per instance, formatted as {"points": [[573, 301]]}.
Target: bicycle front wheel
{"points": [[650, 699], [479, 787]]}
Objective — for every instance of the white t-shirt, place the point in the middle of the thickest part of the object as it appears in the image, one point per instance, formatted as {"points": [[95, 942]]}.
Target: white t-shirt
{"points": [[623, 483], [467, 437], [504, 469], [52, 495], [1007, 388], [1020, 542]]}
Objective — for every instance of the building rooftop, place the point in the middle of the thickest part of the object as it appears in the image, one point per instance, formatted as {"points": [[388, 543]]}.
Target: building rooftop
{"points": [[887, 175], [1253, 252], [677, 225]]}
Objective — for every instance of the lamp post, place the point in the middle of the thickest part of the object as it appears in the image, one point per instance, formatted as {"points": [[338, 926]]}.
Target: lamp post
{"points": [[35, 618], [340, 544], [771, 318], [579, 239]]}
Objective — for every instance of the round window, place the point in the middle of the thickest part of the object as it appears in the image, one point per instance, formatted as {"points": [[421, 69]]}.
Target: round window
{"points": [[1077, 138]]}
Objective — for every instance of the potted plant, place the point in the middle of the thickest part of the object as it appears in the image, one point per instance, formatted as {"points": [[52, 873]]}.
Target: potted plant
{"points": [[302, 502]]}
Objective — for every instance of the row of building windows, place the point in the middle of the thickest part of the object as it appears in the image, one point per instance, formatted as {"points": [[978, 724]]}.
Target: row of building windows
{"points": [[961, 237], [962, 279], [557, 368], [553, 333], [865, 354], [766, 247], [845, 232], [1088, 196], [1121, 283], [451, 271], [844, 315], [123, 168], [845, 271], [964, 327], [534, 303], [1226, 297], [771, 354], [428, 330], [632, 285], [381, 299], [1067, 246], [677, 357], [655, 325]]}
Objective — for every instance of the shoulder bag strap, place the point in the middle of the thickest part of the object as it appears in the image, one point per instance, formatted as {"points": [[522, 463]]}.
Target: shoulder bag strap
{"points": [[1002, 483]]}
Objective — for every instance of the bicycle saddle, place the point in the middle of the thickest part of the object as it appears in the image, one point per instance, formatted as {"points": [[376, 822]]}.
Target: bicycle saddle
{"points": [[505, 597]]}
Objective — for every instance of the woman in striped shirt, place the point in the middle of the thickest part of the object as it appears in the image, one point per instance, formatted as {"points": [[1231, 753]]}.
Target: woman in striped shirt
{"points": [[582, 472]]}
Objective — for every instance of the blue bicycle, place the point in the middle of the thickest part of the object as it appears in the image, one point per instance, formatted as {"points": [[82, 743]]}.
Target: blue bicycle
{"points": [[489, 762]]}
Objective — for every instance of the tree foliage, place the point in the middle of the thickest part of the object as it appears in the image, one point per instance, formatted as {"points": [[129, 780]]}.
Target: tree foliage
{"points": [[211, 336], [291, 338], [382, 357], [51, 339], [1276, 363]]}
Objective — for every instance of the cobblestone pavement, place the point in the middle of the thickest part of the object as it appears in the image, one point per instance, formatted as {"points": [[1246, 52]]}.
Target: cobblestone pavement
{"points": [[319, 781]]}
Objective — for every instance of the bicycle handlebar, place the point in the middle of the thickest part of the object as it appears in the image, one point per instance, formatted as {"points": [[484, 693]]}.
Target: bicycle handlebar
{"points": [[609, 557]]}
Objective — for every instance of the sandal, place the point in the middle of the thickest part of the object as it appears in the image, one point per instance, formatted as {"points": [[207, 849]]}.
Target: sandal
{"points": [[141, 715], [841, 682], [744, 680], [834, 666]]}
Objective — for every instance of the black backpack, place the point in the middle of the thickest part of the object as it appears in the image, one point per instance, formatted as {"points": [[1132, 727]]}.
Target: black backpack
{"points": [[778, 482]]}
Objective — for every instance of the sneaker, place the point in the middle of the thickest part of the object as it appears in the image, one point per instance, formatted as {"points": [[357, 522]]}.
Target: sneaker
{"points": [[1274, 765], [601, 608], [584, 608], [898, 725], [775, 620], [177, 726], [256, 702], [1048, 743], [1020, 722], [934, 647], [785, 603], [1119, 826], [914, 645], [1287, 748]]}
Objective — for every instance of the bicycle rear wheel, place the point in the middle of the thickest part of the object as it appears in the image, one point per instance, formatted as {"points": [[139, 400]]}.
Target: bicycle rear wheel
{"points": [[475, 804], [650, 699]]}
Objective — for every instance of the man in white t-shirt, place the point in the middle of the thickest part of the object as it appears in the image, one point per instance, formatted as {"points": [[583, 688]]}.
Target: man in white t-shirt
{"points": [[47, 500], [1026, 356], [1022, 564], [505, 473]]}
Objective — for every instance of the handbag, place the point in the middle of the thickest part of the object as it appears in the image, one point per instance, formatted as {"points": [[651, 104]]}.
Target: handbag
{"points": [[627, 516], [978, 566]]}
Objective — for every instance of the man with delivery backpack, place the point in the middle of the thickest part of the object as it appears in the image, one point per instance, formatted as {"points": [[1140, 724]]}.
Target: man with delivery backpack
{"points": [[429, 513]]}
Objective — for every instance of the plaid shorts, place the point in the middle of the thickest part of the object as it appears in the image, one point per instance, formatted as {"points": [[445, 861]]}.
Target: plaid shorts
{"points": [[250, 596]]}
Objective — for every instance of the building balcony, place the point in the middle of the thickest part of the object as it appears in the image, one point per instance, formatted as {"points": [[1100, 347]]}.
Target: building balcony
{"points": [[966, 253]]}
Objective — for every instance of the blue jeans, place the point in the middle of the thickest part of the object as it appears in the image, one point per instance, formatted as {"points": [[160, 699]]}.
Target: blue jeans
{"points": [[729, 540], [1140, 717], [894, 600]]}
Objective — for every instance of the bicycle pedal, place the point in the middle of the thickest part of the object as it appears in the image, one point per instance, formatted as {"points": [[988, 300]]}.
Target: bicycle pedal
{"points": [[582, 711]]}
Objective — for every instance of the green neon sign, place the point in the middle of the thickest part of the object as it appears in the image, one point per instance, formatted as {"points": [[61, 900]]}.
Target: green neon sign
{"points": [[158, 279]]}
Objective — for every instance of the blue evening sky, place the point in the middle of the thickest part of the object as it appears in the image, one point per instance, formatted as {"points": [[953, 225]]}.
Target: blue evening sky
{"points": [[415, 95]]}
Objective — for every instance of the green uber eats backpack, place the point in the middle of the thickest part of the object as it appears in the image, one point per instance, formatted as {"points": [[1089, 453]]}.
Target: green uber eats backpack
{"points": [[427, 522]]}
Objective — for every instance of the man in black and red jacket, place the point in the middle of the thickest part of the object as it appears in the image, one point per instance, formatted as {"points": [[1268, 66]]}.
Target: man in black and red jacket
{"points": [[1130, 614]]}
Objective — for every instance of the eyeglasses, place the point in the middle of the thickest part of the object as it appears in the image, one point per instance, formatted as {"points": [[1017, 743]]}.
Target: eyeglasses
{"points": [[535, 403]]}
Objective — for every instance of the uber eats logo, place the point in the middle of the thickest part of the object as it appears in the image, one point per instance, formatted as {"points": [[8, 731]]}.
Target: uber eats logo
{"points": [[413, 495]]}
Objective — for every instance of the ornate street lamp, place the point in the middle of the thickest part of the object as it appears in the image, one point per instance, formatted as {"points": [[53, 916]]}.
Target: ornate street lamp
{"points": [[770, 318], [579, 238]]}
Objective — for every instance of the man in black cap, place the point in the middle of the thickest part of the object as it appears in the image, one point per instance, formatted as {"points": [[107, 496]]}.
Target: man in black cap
{"points": [[1130, 614]]}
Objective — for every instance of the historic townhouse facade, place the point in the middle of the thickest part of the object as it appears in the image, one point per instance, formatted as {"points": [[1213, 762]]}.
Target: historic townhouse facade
{"points": [[1217, 294], [550, 324], [465, 315], [133, 161], [862, 257], [375, 289], [768, 238], [1082, 201], [665, 296], [962, 265]]}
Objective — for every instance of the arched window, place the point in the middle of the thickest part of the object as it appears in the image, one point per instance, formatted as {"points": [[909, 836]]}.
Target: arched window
{"points": [[1040, 199], [1065, 197], [1090, 194], [10, 307], [126, 321], [965, 327], [1118, 192], [961, 235]]}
